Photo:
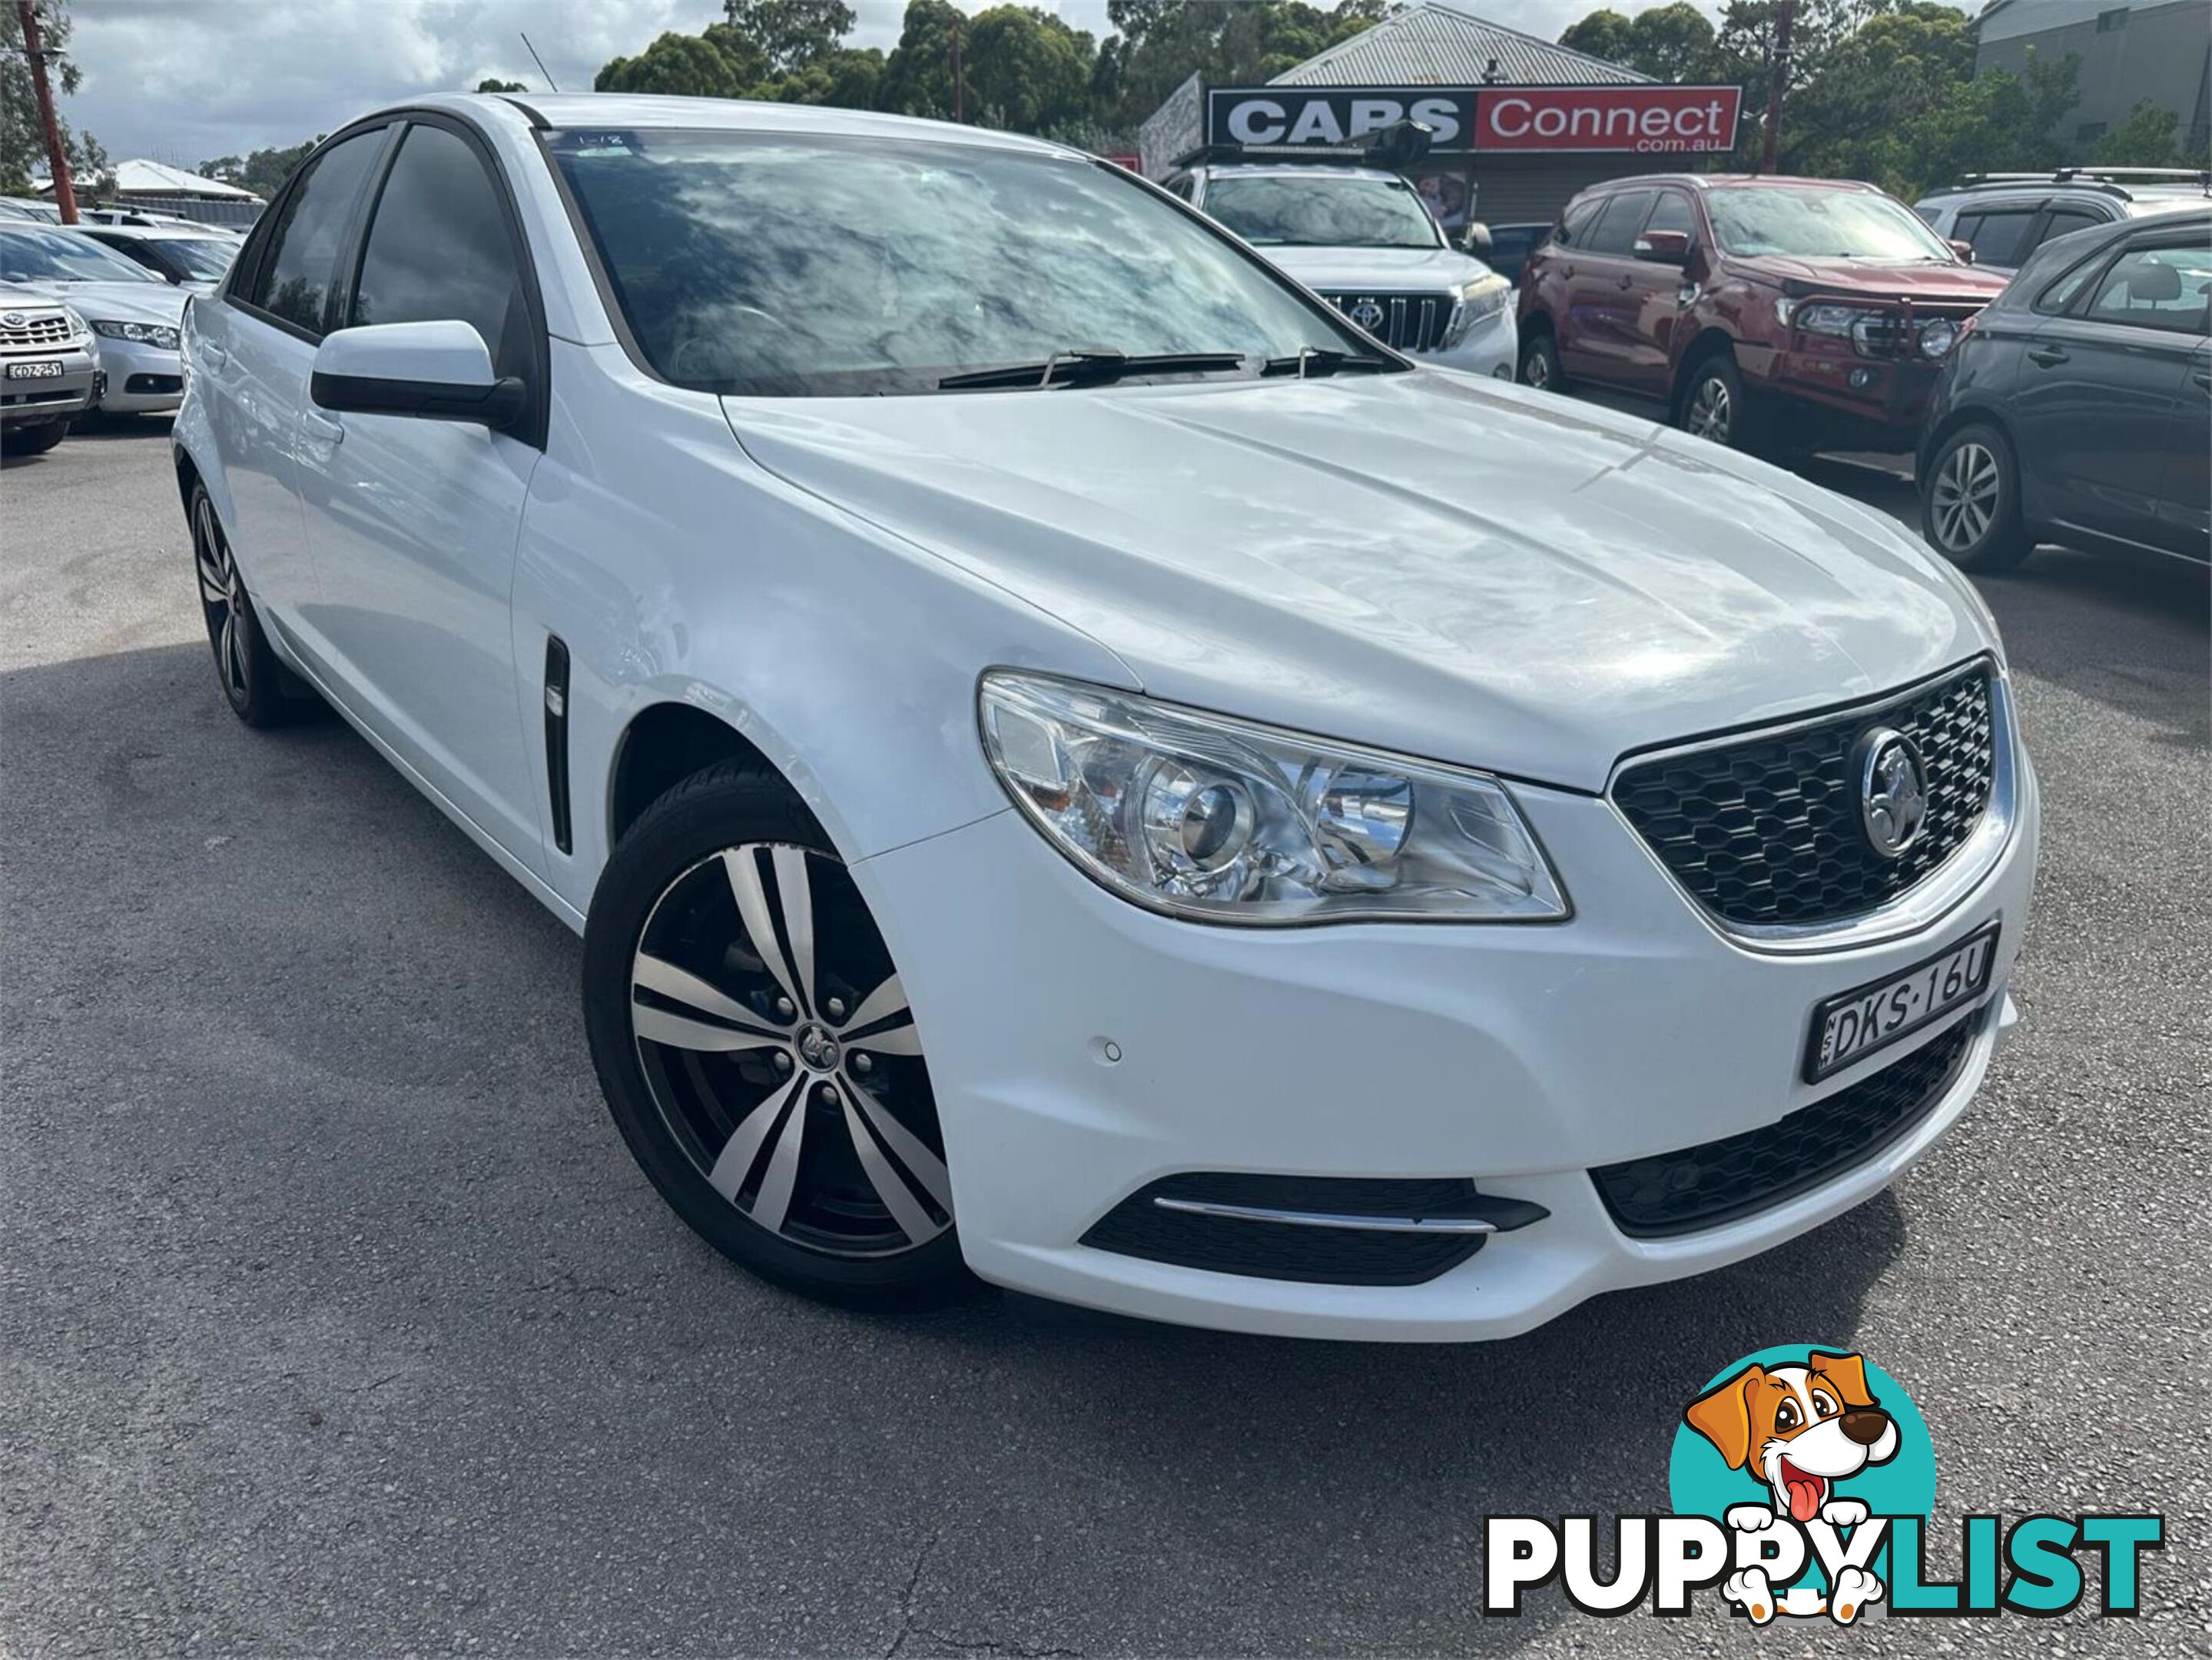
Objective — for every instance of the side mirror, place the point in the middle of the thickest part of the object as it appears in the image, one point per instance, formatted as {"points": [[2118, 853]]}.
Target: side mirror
{"points": [[1664, 248], [1964, 250], [434, 371], [1475, 237]]}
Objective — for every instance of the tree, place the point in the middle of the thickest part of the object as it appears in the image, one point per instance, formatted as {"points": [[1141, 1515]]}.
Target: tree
{"points": [[789, 34], [917, 77], [1160, 42], [22, 145], [2149, 137], [847, 78], [685, 66], [263, 171], [492, 83], [1027, 70]]}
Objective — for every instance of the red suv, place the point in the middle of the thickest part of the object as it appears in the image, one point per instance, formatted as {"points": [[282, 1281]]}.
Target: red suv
{"points": [[1775, 314]]}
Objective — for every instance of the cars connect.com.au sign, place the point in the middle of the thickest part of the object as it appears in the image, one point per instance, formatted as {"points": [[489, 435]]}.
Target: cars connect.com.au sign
{"points": [[1631, 118]]}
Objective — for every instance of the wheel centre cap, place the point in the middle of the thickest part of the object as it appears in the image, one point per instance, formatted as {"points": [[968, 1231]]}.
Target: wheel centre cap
{"points": [[817, 1048]]}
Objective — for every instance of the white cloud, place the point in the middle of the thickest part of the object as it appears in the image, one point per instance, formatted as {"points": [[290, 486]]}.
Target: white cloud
{"points": [[182, 81]]}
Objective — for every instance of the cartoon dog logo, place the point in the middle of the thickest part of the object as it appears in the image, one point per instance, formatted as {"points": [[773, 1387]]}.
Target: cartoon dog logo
{"points": [[1801, 1429]]}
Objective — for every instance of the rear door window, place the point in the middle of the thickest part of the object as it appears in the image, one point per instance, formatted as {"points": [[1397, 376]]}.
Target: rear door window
{"points": [[2165, 288], [1616, 229], [293, 282]]}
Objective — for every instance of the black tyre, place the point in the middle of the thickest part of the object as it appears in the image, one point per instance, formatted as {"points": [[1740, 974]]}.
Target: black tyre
{"points": [[1540, 362], [1970, 501], [756, 1047], [35, 441], [254, 684]]}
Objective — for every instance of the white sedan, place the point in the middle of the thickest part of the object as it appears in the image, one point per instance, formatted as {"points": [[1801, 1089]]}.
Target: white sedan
{"points": [[1072, 763]]}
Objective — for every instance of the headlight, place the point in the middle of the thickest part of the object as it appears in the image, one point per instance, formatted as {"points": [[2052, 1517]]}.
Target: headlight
{"points": [[1482, 299], [1203, 817], [1937, 336], [146, 334], [78, 327], [1825, 319]]}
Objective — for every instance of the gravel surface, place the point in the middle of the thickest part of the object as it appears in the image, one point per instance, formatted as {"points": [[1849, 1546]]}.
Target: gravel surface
{"points": [[335, 1319]]}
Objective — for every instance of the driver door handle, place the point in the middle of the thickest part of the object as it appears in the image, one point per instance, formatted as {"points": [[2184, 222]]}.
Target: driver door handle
{"points": [[322, 427], [2049, 356]]}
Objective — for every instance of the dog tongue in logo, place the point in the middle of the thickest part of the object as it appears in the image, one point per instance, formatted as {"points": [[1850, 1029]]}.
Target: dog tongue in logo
{"points": [[1805, 1492]]}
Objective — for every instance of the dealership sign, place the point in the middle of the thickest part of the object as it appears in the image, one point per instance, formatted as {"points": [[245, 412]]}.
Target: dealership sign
{"points": [[1647, 119]]}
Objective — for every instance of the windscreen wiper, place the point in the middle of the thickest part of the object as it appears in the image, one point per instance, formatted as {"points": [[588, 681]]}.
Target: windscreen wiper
{"points": [[1311, 360], [1094, 366]]}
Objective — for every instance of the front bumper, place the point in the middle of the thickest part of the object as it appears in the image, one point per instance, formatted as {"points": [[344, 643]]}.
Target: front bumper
{"points": [[1081, 1048], [1835, 395], [34, 403], [1491, 347], [142, 379]]}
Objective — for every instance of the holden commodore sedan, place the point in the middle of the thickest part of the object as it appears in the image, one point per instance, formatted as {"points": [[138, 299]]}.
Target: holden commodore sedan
{"points": [[1072, 765]]}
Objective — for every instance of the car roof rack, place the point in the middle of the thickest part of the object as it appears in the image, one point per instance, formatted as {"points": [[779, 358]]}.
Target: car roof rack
{"points": [[2110, 181], [1392, 149]]}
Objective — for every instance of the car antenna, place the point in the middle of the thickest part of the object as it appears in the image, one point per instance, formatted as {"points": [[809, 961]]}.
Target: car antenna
{"points": [[540, 61]]}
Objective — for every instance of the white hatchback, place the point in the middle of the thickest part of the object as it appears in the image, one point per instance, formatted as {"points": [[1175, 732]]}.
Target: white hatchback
{"points": [[1067, 759]]}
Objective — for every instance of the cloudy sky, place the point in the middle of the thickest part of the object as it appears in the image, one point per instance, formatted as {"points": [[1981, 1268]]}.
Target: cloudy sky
{"points": [[182, 81]]}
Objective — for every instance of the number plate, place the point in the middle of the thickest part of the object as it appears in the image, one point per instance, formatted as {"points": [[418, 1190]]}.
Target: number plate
{"points": [[47, 371], [1849, 1028]]}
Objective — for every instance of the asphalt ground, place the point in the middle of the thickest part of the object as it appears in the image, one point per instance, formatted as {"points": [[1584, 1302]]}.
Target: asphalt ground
{"points": [[334, 1318]]}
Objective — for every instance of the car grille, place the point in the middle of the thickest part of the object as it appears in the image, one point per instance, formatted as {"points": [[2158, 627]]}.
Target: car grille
{"points": [[1276, 1250], [1410, 322], [1719, 1182], [35, 334], [1765, 829]]}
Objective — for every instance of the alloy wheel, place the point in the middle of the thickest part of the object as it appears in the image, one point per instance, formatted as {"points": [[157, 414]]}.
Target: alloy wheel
{"points": [[775, 1039], [1964, 504], [1537, 371], [1712, 411], [222, 600]]}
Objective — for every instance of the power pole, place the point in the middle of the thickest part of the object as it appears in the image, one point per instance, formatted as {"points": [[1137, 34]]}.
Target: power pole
{"points": [[1785, 14], [959, 80], [57, 157]]}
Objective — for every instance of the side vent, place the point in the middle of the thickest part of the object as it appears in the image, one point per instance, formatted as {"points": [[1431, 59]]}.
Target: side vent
{"points": [[556, 737]]}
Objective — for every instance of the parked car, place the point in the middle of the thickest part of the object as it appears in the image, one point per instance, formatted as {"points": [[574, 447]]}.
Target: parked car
{"points": [[188, 257], [46, 370], [134, 314], [2006, 216], [2078, 406], [1041, 724], [24, 207], [1776, 314], [1362, 239]]}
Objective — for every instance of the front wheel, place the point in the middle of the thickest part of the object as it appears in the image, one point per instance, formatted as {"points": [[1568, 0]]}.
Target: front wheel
{"points": [[1713, 403], [1970, 501], [755, 1048], [35, 441]]}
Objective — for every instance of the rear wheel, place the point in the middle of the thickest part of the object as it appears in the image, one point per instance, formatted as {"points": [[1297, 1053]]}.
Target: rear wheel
{"points": [[1970, 501], [1539, 363], [756, 1047], [252, 681]]}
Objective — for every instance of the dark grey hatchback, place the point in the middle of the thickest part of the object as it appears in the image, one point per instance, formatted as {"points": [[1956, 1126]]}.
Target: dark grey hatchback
{"points": [[2077, 407]]}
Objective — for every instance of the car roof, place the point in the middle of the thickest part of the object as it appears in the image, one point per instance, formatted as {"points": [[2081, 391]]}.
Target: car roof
{"points": [[1301, 169], [637, 111], [1714, 180], [159, 233]]}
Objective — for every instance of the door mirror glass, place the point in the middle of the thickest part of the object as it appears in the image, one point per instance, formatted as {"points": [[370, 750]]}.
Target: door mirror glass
{"points": [[1664, 248], [438, 371], [1476, 239]]}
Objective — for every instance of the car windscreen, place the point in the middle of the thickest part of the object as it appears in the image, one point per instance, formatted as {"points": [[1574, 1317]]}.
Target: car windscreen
{"points": [[1317, 209], [205, 258], [1819, 224], [780, 265], [29, 254]]}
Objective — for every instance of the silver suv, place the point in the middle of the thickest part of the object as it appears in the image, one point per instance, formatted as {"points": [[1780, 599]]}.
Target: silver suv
{"points": [[2006, 216], [46, 370]]}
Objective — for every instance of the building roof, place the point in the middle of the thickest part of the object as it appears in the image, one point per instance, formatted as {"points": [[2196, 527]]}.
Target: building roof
{"points": [[143, 178], [1432, 45]]}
